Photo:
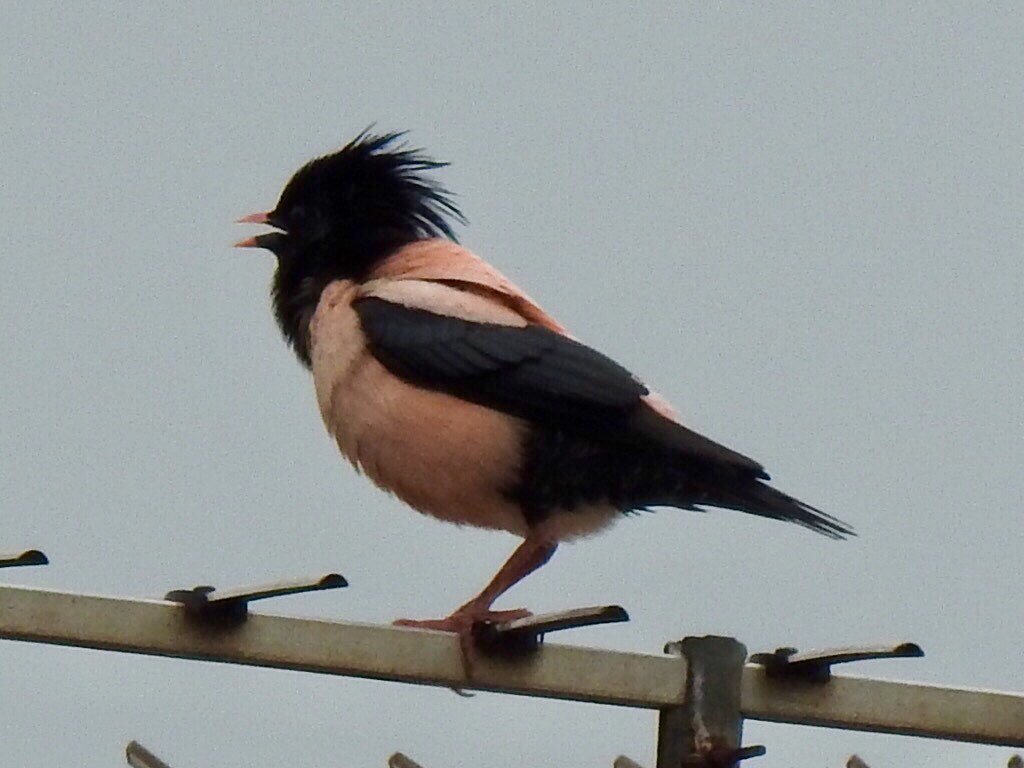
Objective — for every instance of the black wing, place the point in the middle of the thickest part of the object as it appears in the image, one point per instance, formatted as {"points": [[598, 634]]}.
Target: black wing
{"points": [[530, 372]]}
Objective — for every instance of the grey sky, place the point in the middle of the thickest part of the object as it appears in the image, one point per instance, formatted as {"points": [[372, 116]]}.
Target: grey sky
{"points": [[803, 226]]}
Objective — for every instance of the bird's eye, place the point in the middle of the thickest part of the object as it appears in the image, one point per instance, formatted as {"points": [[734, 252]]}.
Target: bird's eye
{"points": [[297, 214]]}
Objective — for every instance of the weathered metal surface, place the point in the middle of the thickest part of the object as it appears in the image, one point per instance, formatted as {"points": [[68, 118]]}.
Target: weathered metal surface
{"points": [[707, 728], [960, 714], [140, 757], [430, 658], [358, 650], [17, 559]]}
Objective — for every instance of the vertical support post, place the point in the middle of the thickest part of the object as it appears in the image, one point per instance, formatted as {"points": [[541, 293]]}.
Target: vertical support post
{"points": [[706, 730]]}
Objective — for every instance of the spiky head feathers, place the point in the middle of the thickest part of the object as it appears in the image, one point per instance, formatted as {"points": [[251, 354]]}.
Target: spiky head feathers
{"points": [[370, 190], [342, 213]]}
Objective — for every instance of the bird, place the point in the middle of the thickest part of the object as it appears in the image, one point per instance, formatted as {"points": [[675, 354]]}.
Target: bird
{"points": [[446, 385]]}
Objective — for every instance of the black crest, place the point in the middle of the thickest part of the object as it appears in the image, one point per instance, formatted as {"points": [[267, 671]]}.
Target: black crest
{"points": [[342, 213], [369, 188]]}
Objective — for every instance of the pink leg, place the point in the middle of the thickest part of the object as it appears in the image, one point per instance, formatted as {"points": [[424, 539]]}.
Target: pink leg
{"points": [[528, 557]]}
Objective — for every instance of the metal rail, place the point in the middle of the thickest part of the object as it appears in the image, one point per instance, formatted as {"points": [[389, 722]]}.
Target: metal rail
{"points": [[885, 706], [340, 648], [556, 671]]}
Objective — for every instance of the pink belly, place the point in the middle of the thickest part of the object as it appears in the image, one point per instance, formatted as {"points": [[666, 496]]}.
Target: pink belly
{"points": [[443, 456]]}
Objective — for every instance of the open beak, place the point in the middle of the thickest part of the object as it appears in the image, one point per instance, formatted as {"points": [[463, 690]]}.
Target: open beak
{"points": [[255, 218], [260, 241]]}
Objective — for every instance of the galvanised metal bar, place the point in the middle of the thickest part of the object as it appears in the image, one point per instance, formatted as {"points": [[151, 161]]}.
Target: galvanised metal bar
{"points": [[339, 648], [884, 706], [555, 671]]}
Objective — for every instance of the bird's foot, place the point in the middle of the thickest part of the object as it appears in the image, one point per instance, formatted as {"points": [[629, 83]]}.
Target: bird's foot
{"points": [[462, 620], [461, 623]]}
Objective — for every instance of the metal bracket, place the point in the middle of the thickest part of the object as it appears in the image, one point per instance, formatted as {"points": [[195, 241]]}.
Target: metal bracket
{"points": [[229, 607], [713, 758], [398, 760], [706, 731], [17, 559], [723, 757], [524, 636], [816, 666], [140, 757]]}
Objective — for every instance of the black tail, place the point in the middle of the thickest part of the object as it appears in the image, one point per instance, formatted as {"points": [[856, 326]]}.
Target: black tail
{"points": [[706, 473], [757, 498]]}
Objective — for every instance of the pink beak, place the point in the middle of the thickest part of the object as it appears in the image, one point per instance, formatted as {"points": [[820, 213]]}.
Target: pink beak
{"points": [[254, 218]]}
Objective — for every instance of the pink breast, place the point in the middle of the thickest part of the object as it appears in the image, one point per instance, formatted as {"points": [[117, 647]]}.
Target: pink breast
{"points": [[445, 457]]}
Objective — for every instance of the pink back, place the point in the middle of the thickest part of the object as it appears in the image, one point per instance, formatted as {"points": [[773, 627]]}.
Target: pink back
{"points": [[446, 262]]}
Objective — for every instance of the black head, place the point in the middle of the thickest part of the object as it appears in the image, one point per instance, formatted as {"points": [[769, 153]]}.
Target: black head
{"points": [[340, 214]]}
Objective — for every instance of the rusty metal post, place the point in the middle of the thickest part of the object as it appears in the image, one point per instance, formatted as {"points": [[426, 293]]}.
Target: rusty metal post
{"points": [[707, 729]]}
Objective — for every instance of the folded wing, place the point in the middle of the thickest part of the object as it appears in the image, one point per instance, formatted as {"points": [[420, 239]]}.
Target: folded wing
{"points": [[528, 371]]}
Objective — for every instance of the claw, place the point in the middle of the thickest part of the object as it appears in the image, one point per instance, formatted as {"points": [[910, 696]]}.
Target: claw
{"points": [[461, 623]]}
